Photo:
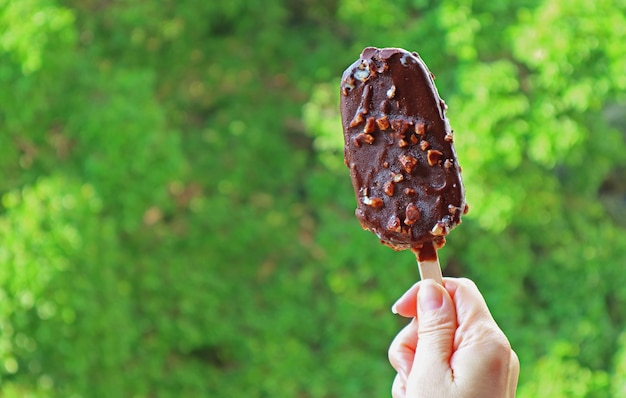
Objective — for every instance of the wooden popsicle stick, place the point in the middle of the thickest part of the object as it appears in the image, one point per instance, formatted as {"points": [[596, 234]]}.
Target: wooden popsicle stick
{"points": [[428, 262], [430, 270]]}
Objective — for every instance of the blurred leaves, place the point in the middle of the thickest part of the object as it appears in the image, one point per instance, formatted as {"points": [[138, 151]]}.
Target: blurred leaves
{"points": [[559, 375], [31, 27]]}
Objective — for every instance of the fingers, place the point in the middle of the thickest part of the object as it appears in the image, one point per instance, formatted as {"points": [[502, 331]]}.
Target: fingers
{"points": [[406, 305], [482, 354], [470, 304], [514, 369], [436, 330], [437, 322], [401, 353], [452, 344], [398, 388], [402, 349], [476, 326]]}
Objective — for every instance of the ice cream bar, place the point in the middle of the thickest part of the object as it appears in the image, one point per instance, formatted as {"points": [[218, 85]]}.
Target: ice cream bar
{"points": [[399, 149]]}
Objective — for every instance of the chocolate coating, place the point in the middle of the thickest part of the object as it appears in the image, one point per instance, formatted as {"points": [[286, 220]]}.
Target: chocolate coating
{"points": [[398, 147]]}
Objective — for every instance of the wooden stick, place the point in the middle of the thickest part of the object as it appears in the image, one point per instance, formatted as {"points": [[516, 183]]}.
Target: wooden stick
{"points": [[428, 262], [430, 270]]}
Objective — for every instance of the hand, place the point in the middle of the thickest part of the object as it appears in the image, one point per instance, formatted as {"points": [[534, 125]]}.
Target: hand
{"points": [[452, 347]]}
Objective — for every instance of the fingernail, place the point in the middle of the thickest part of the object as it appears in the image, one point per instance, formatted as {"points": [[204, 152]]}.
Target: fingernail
{"points": [[430, 296], [394, 308]]}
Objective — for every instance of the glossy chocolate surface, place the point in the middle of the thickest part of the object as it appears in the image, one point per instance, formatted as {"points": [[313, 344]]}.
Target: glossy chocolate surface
{"points": [[398, 147]]}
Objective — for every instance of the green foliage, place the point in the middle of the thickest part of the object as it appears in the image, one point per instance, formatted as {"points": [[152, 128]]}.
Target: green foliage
{"points": [[176, 219], [560, 376], [32, 27], [59, 280]]}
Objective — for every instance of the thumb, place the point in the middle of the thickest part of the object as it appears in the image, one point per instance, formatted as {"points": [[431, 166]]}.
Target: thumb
{"points": [[437, 325]]}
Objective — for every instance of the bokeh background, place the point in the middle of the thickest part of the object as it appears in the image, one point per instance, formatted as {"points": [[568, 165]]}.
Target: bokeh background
{"points": [[176, 219]]}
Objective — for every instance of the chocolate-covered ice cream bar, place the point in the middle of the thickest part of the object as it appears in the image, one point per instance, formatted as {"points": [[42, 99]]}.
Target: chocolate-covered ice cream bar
{"points": [[399, 149]]}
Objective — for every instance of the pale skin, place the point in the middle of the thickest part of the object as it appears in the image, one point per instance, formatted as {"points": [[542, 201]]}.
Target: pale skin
{"points": [[452, 348]]}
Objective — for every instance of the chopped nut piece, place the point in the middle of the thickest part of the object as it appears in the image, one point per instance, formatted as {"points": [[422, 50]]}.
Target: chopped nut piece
{"points": [[449, 137], [434, 157], [439, 229], [419, 128], [400, 126], [402, 143], [394, 224], [358, 119], [466, 209], [397, 177], [362, 72], [412, 214], [424, 145], [452, 209], [370, 125], [439, 242], [448, 164], [408, 163], [348, 85], [414, 139], [377, 202], [383, 123], [372, 202], [391, 92], [367, 138], [389, 188], [409, 191], [386, 165], [362, 75]]}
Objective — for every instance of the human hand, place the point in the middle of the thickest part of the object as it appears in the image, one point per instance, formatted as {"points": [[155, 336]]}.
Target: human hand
{"points": [[452, 347]]}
